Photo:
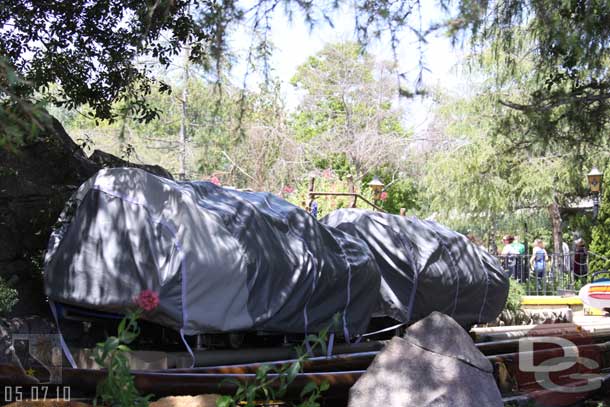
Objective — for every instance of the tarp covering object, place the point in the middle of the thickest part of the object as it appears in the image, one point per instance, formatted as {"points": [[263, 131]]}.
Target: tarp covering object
{"points": [[427, 267], [221, 259]]}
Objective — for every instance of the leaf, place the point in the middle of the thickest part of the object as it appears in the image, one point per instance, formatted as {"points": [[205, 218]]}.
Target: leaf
{"points": [[251, 394], [230, 380], [309, 387], [261, 372], [293, 371], [323, 334], [124, 348], [225, 401], [129, 337], [121, 327], [282, 390], [111, 344], [265, 392], [272, 393], [325, 385], [311, 338]]}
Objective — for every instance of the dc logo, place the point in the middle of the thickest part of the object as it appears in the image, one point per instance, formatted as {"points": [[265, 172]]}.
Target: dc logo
{"points": [[558, 371]]}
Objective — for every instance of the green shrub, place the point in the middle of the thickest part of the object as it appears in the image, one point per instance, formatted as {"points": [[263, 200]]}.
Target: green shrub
{"points": [[8, 297], [267, 388], [516, 292], [118, 388]]}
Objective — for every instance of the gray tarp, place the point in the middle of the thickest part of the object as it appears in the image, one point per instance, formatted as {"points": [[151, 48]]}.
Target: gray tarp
{"points": [[426, 267], [220, 259]]}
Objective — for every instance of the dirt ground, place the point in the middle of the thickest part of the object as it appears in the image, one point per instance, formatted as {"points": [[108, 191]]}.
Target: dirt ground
{"points": [[204, 400], [48, 403]]}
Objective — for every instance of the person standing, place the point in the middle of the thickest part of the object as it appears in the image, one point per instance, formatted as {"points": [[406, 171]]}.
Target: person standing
{"points": [[520, 247], [581, 268], [565, 253], [509, 254], [520, 269], [538, 262], [314, 209]]}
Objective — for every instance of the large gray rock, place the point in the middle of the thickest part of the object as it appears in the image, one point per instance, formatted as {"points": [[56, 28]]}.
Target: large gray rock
{"points": [[435, 364], [36, 179]]}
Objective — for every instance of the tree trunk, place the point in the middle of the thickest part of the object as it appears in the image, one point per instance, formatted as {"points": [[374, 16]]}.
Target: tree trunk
{"points": [[491, 239], [310, 196], [556, 224], [183, 118], [351, 190]]}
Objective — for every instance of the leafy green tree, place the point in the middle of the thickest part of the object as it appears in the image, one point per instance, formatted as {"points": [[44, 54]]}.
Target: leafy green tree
{"points": [[20, 120], [474, 176], [402, 193], [90, 49], [208, 123], [99, 52], [348, 109], [568, 89], [265, 156], [210, 126], [464, 179]]}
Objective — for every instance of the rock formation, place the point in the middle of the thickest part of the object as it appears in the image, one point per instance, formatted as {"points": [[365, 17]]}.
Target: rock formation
{"points": [[35, 182], [435, 364]]}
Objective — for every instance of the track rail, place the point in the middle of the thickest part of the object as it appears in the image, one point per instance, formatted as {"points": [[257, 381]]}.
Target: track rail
{"points": [[340, 370]]}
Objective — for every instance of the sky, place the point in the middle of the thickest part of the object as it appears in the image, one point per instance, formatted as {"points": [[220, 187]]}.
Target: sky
{"points": [[294, 43]]}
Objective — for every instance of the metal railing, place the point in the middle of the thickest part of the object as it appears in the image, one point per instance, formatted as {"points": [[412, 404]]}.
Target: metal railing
{"points": [[558, 274]]}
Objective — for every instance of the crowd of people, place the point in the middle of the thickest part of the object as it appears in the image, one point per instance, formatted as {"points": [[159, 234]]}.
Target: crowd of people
{"points": [[538, 264]]}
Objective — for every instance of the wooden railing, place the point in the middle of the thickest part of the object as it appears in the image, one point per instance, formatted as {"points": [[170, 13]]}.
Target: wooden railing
{"points": [[355, 196]]}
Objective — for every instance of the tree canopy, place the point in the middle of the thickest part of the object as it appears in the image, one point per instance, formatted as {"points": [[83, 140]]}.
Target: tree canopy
{"points": [[348, 108], [89, 49], [566, 95], [94, 50]]}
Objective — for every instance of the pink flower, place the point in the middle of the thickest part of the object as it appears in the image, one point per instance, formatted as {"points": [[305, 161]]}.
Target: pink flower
{"points": [[383, 196], [327, 173], [148, 300], [214, 180], [288, 189]]}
